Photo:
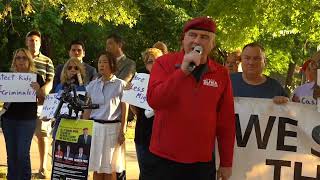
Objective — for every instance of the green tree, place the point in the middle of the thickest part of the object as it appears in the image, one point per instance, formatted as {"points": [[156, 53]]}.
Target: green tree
{"points": [[287, 28]]}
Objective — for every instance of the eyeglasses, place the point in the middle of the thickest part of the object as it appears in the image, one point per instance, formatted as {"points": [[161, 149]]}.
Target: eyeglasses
{"points": [[24, 58], [73, 67]]}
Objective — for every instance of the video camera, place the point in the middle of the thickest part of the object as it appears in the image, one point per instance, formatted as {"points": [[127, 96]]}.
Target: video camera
{"points": [[76, 102]]}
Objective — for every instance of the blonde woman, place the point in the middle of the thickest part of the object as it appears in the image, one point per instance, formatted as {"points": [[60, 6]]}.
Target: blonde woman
{"points": [[19, 121], [69, 74], [144, 123]]}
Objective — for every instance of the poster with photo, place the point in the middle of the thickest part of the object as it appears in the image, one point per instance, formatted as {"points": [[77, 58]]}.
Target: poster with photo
{"points": [[72, 150]]}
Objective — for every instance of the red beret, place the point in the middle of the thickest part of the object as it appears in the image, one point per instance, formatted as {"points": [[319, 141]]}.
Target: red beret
{"points": [[200, 23]]}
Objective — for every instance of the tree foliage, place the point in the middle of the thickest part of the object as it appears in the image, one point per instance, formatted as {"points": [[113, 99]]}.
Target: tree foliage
{"points": [[140, 23], [287, 28]]}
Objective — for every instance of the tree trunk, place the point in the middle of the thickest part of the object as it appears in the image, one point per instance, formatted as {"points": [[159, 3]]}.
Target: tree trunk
{"points": [[289, 78]]}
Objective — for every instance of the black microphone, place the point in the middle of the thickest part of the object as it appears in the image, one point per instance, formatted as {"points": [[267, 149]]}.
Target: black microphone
{"points": [[199, 50]]}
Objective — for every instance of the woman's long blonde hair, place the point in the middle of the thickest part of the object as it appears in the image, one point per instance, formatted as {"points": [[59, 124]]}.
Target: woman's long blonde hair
{"points": [[64, 75], [31, 68]]}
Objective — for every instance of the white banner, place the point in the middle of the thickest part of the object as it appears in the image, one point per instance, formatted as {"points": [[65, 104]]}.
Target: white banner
{"points": [[15, 87], [276, 141], [51, 103], [137, 95]]}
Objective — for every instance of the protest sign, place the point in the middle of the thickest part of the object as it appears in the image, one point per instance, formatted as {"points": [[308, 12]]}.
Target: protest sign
{"points": [[137, 95], [51, 103], [15, 87], [72, 149], [276, 141]]}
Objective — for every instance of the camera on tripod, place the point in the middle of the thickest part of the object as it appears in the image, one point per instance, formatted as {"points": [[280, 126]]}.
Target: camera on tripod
{"points": [[76, 102]]}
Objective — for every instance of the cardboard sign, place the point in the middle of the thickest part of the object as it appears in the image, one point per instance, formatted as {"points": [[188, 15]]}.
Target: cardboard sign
{"points": [[137, 95], [15, 87], [51, 103]]}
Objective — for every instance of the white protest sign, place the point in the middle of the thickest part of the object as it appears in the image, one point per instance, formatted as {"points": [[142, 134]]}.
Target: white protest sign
{"points": [[15, 87], [137, 95], [276, 141], [51, 103]]}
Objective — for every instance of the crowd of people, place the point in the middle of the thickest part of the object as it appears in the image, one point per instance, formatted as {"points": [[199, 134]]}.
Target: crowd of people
{"points": [[190, 93]]}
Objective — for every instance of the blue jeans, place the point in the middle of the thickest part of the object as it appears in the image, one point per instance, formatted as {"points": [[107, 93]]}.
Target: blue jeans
{"points": [[146, 160], [18, 136]]}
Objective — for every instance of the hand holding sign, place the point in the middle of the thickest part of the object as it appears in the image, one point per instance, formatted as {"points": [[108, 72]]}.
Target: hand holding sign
{"points": [[136, 92], [15, 87]]}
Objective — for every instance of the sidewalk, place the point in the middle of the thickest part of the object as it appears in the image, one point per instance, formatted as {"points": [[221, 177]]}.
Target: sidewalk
{"points": [[132, 165]]}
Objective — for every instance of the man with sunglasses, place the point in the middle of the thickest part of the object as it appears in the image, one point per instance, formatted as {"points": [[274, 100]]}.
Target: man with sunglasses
{"points": [[45, 68], [77, 50]]}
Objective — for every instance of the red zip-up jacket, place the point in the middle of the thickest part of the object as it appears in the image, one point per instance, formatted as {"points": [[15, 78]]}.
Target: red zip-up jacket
{"points": [[189, 115]]}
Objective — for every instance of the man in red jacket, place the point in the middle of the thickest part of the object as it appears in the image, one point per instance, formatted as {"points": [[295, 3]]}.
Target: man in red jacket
{"points": [[192, 98]]}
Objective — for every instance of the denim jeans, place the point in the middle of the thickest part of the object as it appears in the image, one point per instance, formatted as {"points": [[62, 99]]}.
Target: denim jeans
{"points": [[146, 160], [18, 136]]}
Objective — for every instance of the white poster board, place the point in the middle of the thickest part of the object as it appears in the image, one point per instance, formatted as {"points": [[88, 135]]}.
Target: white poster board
{"points": [[137, 95], [51, 103], [15, 87], [276, 141]]}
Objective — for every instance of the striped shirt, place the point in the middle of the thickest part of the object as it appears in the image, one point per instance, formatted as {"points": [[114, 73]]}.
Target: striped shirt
{"points": [[44, 67]]}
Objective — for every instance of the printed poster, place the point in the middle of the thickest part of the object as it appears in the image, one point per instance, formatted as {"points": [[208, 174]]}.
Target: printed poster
{"points": [[72, 150]]}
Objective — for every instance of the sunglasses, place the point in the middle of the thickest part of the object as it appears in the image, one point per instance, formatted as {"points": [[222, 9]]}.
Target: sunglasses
{"points": [[24, 58], [73, 67]]}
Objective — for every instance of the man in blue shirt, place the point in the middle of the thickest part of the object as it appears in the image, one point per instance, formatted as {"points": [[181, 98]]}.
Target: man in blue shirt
{"points": [[252, 82]]}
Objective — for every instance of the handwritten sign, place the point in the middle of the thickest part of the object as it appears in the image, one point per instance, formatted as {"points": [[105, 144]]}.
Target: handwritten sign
{"points": [[51, 103], [15, 87], [137, 95]]}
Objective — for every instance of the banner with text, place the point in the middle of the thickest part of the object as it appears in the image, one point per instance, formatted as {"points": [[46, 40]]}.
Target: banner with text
{"points": [[15, 87], [276, 141], [72, 150], [51, 103], [137, 95]]}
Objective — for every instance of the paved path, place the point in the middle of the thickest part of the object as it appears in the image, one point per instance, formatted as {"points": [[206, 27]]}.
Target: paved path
{"points": [[132, 165]]}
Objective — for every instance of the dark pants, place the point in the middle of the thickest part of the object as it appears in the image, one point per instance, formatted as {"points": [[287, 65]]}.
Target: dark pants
{"points": [[18, 136], [171, 170], [146, 160]]}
